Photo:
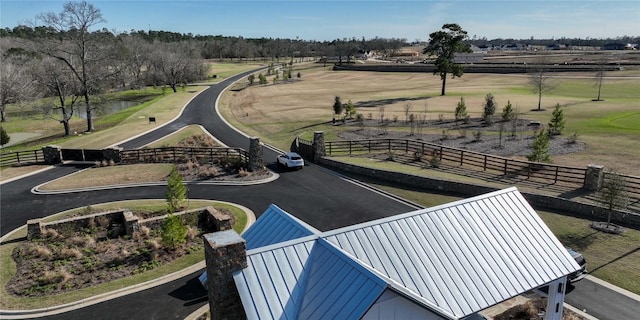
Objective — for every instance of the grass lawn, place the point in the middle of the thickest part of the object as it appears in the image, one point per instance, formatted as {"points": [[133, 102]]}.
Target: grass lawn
{"points": [[8, 266], [277, 113]]}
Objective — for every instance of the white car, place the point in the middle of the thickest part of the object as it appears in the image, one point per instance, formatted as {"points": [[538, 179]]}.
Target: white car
{"points": [[291, 160]]}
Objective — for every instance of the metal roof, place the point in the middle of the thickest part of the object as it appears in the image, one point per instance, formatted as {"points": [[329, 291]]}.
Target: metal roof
{"points": [[274, 226], [454, 259], [306, 279], [461, 257]]}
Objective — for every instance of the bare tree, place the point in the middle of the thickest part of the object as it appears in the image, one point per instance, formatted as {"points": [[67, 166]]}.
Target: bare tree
{"points": [[62, 85], [80, 50], [16, 84], [137, 52], [539, 78], [613, 193], [599, 78], [175, 64]]}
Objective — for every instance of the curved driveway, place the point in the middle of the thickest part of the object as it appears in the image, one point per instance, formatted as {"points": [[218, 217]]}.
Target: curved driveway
{"points": [[316, 195]]}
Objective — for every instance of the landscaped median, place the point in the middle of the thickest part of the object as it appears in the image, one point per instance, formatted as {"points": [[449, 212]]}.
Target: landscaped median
{"points": [[64, 260]]}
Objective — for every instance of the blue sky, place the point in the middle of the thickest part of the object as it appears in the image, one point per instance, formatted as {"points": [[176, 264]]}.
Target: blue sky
{"points": [[328, 20]]}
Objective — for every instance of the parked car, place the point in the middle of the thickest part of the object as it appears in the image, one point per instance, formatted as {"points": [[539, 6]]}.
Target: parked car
{"points": [[291, 160], [582, 262]]}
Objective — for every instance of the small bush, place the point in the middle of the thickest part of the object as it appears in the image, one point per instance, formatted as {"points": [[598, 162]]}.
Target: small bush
{"points": [[434, 162], [192, 232], [572, 139], [242, 172], [73, 253], [477, 136], [41, 252], [50, 233], [145, 231], [153, 244]]}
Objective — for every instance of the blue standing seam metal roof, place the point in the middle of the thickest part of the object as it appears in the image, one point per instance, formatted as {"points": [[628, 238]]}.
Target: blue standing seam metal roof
{"points": [[307, 279], [275, 226], [454, 260]]}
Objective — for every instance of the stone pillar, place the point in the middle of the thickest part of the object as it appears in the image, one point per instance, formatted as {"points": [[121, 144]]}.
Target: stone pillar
{"points": [[34, 228], [256, 160], [555, 299], [112, 154], [52, 154], [593, 177], [225, 252], [319, 150], [131, 224], [218, 221]]}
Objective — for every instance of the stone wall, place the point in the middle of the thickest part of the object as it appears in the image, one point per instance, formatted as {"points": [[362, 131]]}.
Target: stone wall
{"points": [[124, 222], [552, 203]]}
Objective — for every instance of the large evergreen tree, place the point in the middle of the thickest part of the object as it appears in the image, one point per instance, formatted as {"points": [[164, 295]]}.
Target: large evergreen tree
{"points": [[4, 137], [444, 44]]}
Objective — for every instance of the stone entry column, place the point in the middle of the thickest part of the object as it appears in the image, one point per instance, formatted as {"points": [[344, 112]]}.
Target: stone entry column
{"points": [[593, 177], [52, 154], [256, 159], [319, 150], [225, 252]]}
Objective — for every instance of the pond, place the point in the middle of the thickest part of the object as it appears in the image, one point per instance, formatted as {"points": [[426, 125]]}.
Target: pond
{"points": [[100, 109]]}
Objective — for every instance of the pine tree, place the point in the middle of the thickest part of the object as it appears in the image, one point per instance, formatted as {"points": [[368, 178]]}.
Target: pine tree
{"points": [[176, 190], [489, 109], [540, 148], [461, 110], [4, 137], [173, 231], [557, 121], [337, 106], [507, 112]]}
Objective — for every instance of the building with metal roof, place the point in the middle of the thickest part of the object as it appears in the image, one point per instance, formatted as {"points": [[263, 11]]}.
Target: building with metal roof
{"points": [[446, 262]]}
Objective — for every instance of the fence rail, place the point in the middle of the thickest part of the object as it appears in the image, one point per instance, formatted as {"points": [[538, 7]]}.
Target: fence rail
{"points": [[632, 184], [21, 157], [183, 154], [430, 153]]}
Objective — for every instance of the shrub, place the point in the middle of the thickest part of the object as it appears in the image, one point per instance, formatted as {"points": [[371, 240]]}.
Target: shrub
{"points": [[477, 135], [556, 125], [176, 190], [540, 146], [507, 112], [435, 160], [573, 139], [71, 253], [489, 106], [173, 232], [461, 110], [192, 232], [41, 252]]}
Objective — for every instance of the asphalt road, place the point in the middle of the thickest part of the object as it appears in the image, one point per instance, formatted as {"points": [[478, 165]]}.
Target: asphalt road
{"points": [[317, 196]]}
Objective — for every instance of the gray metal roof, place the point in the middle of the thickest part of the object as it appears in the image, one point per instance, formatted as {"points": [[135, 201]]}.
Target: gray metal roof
{"points": [[455, 260], [461, 257]]}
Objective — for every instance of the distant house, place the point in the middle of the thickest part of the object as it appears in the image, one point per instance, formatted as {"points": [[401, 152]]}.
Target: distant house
{"points": [[445, 262]]}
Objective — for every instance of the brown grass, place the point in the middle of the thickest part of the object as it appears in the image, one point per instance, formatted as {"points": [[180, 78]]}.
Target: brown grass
{"points": [[277, 113]]}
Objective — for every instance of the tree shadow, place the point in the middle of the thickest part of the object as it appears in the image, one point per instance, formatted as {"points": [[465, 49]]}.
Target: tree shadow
{"points": [[377, 103], [578, 243], [616, 259]]}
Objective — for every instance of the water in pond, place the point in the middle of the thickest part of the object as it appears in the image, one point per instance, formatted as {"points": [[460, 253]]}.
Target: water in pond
{"points": [[99, 109]]}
